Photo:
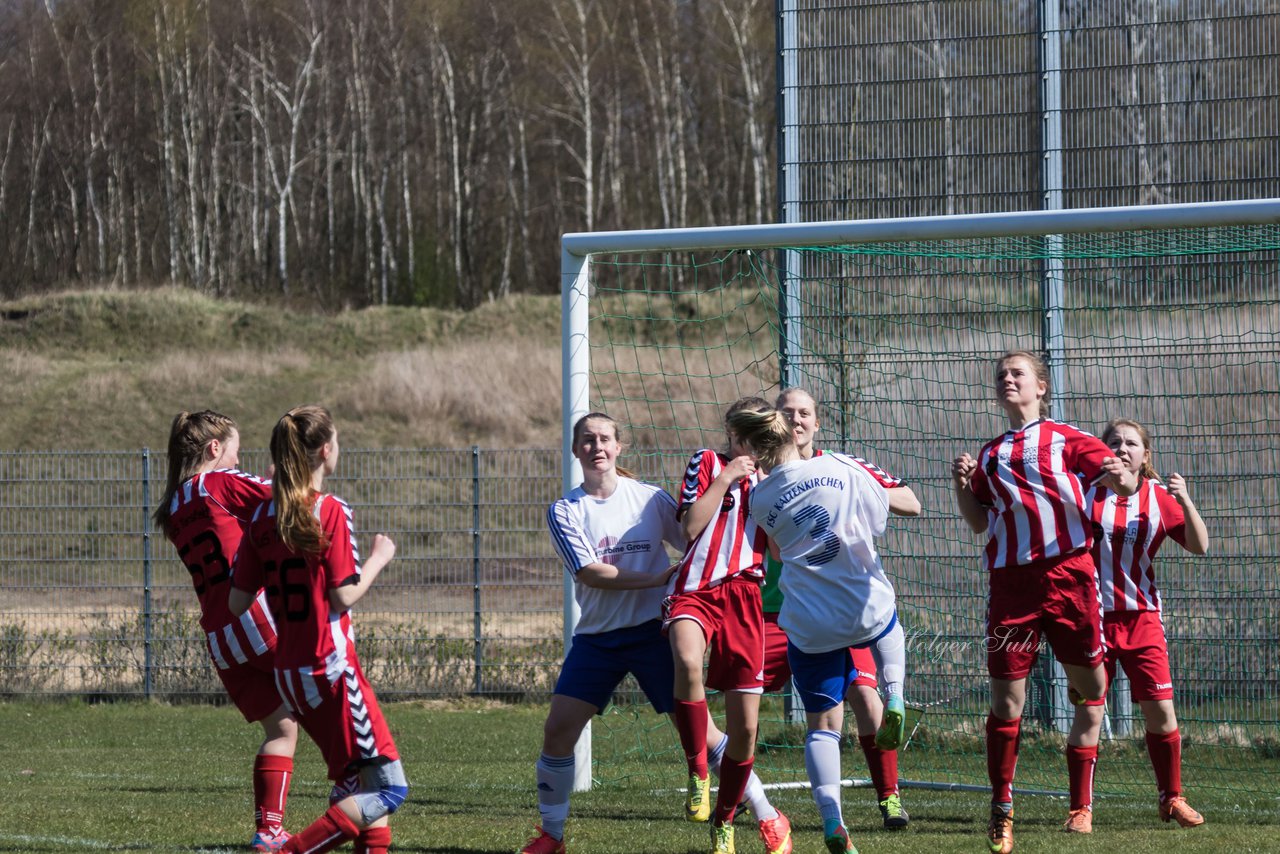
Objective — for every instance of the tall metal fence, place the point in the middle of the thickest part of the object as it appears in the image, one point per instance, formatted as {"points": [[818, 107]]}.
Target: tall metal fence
{"points": [[93, 601], [923, 107]]}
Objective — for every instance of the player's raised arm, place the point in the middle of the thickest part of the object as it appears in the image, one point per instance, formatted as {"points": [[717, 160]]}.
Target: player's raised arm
{"points": [[903, 502], [1197, 535], [344, 597], [973, 511]]}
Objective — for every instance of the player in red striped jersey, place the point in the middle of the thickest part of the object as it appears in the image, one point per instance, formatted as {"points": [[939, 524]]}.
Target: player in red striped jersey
{"points": [[301, 546], [863, 696], [714, 604], [204, 510], [1129, 533], [1026, 491]]}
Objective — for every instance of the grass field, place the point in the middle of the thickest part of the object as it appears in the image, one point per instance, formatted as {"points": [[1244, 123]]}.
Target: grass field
{"points": [[150, 777]]}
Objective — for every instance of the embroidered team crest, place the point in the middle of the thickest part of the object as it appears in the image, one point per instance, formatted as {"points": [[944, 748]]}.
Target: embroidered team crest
{"points": [[992, 464], [727, 504]]}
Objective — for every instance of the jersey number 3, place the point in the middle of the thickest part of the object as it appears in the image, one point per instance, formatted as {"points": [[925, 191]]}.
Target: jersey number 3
{"points": [[828, 544]]}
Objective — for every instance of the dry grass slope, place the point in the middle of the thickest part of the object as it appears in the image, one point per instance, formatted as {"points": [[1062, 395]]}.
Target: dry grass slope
{"points": [[108, 369]]}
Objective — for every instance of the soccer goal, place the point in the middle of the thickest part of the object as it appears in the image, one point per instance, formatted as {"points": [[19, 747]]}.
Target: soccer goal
{"points": [[1166, 314]]}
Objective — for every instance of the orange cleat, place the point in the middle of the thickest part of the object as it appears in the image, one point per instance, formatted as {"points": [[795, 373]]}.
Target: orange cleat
{"points": [[1177, 809], [1079, 821]]}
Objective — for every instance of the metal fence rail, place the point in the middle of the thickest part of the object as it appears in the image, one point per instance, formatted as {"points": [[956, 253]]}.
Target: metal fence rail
{"points": [[93, 602]]}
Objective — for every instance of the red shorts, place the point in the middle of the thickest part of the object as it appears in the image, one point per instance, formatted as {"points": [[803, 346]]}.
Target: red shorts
{"points": [[777, 670], [342, 718], [1135, 640], [1054, 600], [733, 626], [252, 688]]}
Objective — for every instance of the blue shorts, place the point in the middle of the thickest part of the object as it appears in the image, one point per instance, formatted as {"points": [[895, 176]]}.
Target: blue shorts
{"points": [[597, 664], [823, 678]]}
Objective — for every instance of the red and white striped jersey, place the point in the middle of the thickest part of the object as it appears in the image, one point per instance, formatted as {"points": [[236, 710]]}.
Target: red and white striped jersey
{"points": [[1128, 534], [313, 638], [1033, 481], [732, 543], [207, 520]]}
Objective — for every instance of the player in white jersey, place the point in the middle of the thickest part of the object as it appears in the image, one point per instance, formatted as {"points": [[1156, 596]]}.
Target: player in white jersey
{"points": [[822, 516], [609, 532], [1026, 492], [204, 511], [863, 695], [715, 606], [1129, 533]]}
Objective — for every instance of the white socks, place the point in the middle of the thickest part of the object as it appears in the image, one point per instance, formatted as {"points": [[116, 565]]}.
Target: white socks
{"points": [[555, 782]]}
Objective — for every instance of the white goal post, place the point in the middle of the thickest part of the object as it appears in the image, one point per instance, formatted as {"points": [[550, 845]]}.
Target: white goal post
{"points": [[577, 250]]}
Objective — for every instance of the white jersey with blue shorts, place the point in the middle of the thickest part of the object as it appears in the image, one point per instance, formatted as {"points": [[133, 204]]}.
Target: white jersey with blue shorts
{"points": [[619, 631], [824, 514], [626, 530]]}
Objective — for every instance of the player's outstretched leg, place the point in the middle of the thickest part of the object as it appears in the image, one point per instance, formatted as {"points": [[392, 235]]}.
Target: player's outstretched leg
{"points": [[890, 652]]}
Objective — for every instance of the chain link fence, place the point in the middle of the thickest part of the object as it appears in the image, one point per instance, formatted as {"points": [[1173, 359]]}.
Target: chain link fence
{"points": [[94, 602]]}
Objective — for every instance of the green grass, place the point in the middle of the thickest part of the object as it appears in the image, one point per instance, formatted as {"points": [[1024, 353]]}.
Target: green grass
{"points": [[150, 777]]}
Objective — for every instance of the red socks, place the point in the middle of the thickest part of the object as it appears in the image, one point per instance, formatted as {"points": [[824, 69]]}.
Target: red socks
{"points": [[1002, 756], [271, 776], [883, 765], [1080, 764], [1166, 758], [691, 722], [324, 834], [374, 840], [734, 774]]}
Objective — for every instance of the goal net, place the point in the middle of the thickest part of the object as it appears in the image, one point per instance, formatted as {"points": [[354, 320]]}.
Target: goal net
{"points": [[1169, 315]]}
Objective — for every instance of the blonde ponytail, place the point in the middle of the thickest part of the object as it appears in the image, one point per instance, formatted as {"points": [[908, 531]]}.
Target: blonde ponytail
{"points": [[767, 431]]}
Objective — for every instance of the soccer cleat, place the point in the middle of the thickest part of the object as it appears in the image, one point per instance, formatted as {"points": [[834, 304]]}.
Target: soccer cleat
{"points": [[776, 834], [265, 840], [892, 813], [1079, 821], [722, 839], [543, 843], [1075, 697], [1000, 831], [893, 727], [697, 804], [838, 842], [1177, 809]]}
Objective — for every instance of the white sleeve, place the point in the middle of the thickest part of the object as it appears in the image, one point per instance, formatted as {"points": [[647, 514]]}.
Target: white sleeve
{"points": [[672, 533], [873, 499], [569, 539]]}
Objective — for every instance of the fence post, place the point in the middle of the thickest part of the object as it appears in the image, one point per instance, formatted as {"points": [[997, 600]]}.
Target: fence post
{"points": [[475, 565], [147, 662]]}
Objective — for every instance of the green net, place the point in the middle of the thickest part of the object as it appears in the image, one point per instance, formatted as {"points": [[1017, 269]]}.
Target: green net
{"points": [[1178, 329]]}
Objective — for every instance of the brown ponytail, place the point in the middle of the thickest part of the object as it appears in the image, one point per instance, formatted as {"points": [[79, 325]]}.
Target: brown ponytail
{"points": [[296, 442], [189, 435]]}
